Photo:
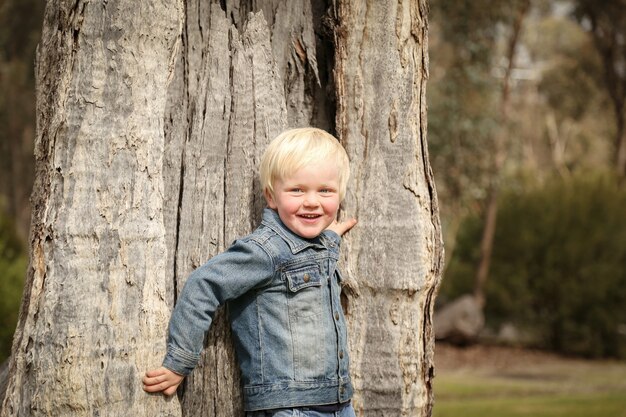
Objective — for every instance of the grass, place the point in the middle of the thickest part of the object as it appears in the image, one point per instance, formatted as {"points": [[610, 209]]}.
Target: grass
{"points": [[572, 388]]}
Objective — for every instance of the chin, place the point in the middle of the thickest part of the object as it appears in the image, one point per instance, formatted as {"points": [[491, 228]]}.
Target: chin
{"points": [[310, 235]]}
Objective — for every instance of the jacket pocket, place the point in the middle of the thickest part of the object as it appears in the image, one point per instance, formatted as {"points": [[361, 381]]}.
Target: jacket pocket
{"points": [[305, 290], [303, 277], [305, 298]]}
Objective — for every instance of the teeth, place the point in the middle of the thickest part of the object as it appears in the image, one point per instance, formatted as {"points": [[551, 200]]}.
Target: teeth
{"points": [[310, 216]]}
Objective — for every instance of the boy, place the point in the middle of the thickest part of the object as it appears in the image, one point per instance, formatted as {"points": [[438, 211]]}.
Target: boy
{"points": [[283, 290]]}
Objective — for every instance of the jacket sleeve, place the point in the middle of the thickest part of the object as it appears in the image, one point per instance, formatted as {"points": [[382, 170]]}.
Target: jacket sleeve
{"points": [[244, 266]]}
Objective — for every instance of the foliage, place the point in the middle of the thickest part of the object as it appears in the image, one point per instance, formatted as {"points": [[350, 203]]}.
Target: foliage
{"points": [[468, 60], [462, 94], [606, 22], [567, 84], [562, 119], [576, 116], [13, 262], [20, 30], [557, 266]]}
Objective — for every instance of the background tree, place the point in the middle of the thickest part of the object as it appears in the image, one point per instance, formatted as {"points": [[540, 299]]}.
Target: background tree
{"points": [[463, 104], [151, 119], [559, 265], [606, 23], [478, 79], [20, 26], [501, 144], [469, 75], [561, 129], [12, 264]]}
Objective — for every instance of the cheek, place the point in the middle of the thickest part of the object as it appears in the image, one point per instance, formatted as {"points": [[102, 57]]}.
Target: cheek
{"points": [[331, 206], [289, 205]]}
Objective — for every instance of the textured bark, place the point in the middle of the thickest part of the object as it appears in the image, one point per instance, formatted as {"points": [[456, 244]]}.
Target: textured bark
{"points": [[147, 167], [395, 254], [301, 41], [94, 309], [232, 106]]}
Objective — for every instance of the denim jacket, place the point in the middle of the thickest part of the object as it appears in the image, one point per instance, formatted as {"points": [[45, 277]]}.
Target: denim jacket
{"points": [[285, 312]]}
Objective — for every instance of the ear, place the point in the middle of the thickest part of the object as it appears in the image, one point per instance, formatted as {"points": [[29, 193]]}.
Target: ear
{"points": [[269, 198]]}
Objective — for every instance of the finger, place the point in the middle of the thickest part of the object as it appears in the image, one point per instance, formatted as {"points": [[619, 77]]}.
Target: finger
{"points": [[168, 386], [155, 388], [349, 224], [171, 390], [155, 372], [345, 225], [154, 380]]}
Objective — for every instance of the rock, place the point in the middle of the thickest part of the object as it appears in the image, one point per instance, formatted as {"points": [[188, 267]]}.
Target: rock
{"points": [[459, 321]]}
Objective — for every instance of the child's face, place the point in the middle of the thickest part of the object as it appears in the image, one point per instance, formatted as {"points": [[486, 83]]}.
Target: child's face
{"points": [[308, 200]]}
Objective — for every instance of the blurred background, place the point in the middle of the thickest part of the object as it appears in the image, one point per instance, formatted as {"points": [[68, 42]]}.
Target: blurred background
{"points": [[20, 30], [526, 136], [527, 141], [526, 127]]}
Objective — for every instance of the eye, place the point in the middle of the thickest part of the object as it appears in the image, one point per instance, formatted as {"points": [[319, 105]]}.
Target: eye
{"points": [[327, 190], [295, 190]]}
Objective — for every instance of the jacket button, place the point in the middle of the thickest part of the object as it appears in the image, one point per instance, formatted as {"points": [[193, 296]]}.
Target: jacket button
{"points": [[341, 354], [342, 390], [336, 316], [307, 277]]}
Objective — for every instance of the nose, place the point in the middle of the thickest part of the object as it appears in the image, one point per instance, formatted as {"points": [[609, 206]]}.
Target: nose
{"points": [[310, 200]]}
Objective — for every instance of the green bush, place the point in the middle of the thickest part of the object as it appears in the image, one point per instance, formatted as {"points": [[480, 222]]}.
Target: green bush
{"points": [[559, 265], [13, 263]]}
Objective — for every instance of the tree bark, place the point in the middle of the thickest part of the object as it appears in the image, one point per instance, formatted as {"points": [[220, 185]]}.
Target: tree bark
{"points": [[95, 306], [233, 105], [395, 254], [124, 214]]}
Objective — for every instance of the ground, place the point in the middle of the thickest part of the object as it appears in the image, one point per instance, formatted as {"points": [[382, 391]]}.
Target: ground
{"points": [[497, 381], [484, 357]]}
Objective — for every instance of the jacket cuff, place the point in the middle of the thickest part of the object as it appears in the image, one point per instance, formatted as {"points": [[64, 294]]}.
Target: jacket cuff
{"points": [[179, 361]]}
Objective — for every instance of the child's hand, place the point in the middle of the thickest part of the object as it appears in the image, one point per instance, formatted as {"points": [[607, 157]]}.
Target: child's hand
{"points": [[341, 227], [162, 379]]}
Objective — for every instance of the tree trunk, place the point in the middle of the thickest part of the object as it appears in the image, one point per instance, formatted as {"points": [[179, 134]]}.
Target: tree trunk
{"points": [[395, 254], [96, 304], [606, 25], [232, 106], [113, 241], [620, 145]]}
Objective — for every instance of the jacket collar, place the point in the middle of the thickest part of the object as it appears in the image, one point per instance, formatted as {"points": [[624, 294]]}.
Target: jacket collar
{"points": [[296, 243]]}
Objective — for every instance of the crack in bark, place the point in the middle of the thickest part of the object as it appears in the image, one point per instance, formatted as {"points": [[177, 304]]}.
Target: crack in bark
{"points": [[76, 19], [185, 72]]}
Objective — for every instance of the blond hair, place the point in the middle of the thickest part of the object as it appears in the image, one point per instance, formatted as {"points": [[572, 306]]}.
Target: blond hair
{"points": [[296, 148]]}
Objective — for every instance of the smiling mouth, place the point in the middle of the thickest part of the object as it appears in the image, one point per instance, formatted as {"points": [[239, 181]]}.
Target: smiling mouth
{"points": [[310, 216]]}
